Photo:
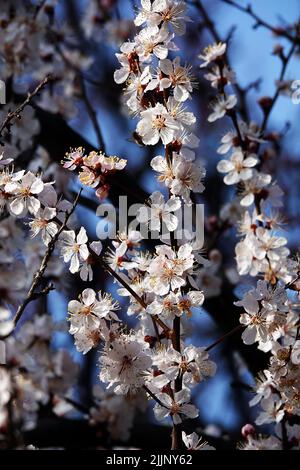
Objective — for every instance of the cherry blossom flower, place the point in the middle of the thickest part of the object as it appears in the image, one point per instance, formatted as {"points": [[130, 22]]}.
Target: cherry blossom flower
{"points": [[264, 388], [181, 176], [167, 12], [212, 53], [6, 324], [5, 393], [265, 310], [192, 363], [123, 364], [272, 411], [179, 113], [177, 304], [160, 212], [215, 77], [221, 106], [262, 443], [177, 76], [177, 408], [188, 177], [194, 442], [74, 248], [24, 194], [73, 159], [153, 40], [155, 124], [167, 270], [238, 167], [5, 161], [128, 60], [268, 245], [86, 318], [85, 270], [42, 223], [137, 86], [253, 186]]}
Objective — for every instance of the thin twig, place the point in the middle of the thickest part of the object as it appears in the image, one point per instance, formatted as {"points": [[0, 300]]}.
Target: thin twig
{"points": [[38, 276], [285, 61], [259, 21], [227, 335], [16, 113], [152, 395], [176, 431], [92, 115], [106, 266], [217, 38]]}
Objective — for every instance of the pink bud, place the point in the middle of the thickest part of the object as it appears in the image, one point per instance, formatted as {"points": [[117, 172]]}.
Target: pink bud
{"points": [[247, 430]]}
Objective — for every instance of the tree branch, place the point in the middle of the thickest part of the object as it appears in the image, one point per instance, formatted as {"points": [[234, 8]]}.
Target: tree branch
{"points": [[38, 276], [259, 21], [6, 124]]}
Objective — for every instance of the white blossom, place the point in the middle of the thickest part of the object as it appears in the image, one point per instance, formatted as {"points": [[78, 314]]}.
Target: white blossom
{"points": [[159, 212], [212, 52], [238, 167], [74, 248], [194, 442], [155, 124], [177, 407], [221, 106], [123, 364]]}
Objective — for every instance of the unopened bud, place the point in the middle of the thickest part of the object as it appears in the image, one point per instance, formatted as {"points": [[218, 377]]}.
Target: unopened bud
{"points": [[278, 50], [247, 430], [265, 103]]}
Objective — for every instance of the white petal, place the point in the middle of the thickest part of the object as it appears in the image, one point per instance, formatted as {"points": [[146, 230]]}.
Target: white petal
{"points": [[82, 236], [121, 75], [88, 296]]}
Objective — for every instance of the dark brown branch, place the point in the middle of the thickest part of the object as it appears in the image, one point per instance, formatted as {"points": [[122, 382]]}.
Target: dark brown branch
{"points": [[106, 266], [38, 276], [217, 38], [259, 21], [227, 335], [152, 395], [285, 61], [92, 115], [16, 113]]}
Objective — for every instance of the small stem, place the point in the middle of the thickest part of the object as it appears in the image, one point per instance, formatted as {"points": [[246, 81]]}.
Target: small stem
{"points": [[285, 62], [220, 340], [176, 432], [16, 113], [217, 38], [231, 113], [38, 276], [134, 294], [285, 440], [154, 396], [92, 114], [259, 21]]}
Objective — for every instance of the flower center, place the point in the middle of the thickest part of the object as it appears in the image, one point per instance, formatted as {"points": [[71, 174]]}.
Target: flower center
{"points": [[175, 408], [86, 310], [25, 191], [159, 122]]}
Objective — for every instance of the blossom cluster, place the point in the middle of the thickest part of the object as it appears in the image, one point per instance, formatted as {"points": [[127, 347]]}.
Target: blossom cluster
{"points": [[162, 287], [34, 376], [144, 354], [95, 169], [270, 316]]}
